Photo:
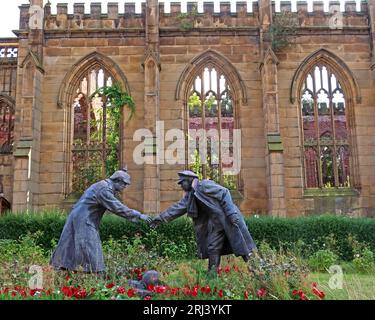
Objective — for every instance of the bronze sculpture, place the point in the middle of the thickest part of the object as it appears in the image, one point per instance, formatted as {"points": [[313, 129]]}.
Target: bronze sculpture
{"points": [[79, 247]]}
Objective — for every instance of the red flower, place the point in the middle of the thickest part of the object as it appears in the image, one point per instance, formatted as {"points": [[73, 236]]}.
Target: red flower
{"points": [[93, 290], [131, 293], [160, 289], [261, 293], [174, 291], [120, 290], [227, 269], [110, 285], [80, 293], [206, 289], [295, 292], [150, 287], [14, 293], [221, 293], [67, 291], [186, 291], [302, 295], [318, 293], [5, 291], [194, 291], [67, 278], [147, 298], [34, 291], [246, 295]]}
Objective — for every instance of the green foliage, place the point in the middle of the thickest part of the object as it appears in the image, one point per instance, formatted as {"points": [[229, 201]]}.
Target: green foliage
{"points": [[17, 256], [282, 30], [195, 104], [322, 260], [186, 20], [196, 164], [305, 235], [363, 257], [116, 98], [278, 272]]}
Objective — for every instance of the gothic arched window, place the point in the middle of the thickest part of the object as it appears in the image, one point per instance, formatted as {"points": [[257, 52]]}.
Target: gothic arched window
{"points": [[6, 126], [92, 157], [211, 124], [325, 130]]}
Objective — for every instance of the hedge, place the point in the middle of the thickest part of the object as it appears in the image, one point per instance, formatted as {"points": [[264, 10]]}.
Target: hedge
{"points": [[277, 232]]}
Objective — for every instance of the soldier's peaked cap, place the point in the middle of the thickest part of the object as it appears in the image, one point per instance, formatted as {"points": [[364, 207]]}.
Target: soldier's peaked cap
{"points": [[121, 175], [186, 173]]}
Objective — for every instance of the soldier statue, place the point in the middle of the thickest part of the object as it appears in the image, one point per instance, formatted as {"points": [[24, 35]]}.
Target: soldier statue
{"points": [[79, 247], [219, 226]]}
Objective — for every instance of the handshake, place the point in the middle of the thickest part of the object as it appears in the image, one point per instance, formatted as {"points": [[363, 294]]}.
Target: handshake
{"points": [[152, 222]]}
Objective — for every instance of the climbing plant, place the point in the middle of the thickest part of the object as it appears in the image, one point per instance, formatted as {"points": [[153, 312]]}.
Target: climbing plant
{"points": [[115, 99], [283, 30]]}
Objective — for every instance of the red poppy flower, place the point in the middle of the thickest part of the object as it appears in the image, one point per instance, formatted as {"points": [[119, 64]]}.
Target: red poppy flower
{"points": [[261, 293], [246, 295], [110, 285], [151, 287], [221, 293], [34, 291], [295, 292], [147, 298], [80, 294], [174, 291], [206, 289], [318, 293], [227, 269], [160, 289], [186, 291], [131, 293], [302, 295], [120, 290]]}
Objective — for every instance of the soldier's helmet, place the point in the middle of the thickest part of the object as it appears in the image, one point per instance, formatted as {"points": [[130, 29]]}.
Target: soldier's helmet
{"points": [[186, 173], [151, 277], [121, 175]]}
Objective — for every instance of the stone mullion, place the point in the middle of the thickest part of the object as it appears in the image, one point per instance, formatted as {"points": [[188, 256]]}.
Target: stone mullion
{"points": [[218, 98], [330, 97], [151, 185]]}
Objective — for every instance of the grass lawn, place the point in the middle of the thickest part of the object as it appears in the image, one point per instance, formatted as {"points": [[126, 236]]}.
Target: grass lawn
{"points": [[354, 286]]}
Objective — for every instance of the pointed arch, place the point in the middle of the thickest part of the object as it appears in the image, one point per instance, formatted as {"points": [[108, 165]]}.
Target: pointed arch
{"points": [[34, 59], [83, 118], [326, 92], [7, 118], [217, 60], [340, 68], [71, 79]]}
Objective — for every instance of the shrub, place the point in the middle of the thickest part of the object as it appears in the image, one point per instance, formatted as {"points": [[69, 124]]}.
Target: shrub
{"points": [[363, 257], [177, 240], [322, 260]]}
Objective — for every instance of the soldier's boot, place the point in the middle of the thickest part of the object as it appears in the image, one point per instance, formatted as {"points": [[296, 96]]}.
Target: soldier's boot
{"points": [[213, 263]]}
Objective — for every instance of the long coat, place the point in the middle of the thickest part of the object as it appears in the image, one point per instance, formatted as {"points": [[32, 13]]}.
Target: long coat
{"points": [[79, 247], [218, 199]]}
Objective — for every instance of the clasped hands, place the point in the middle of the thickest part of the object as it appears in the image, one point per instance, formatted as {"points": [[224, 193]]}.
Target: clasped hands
{"points": [[152, 222]]}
